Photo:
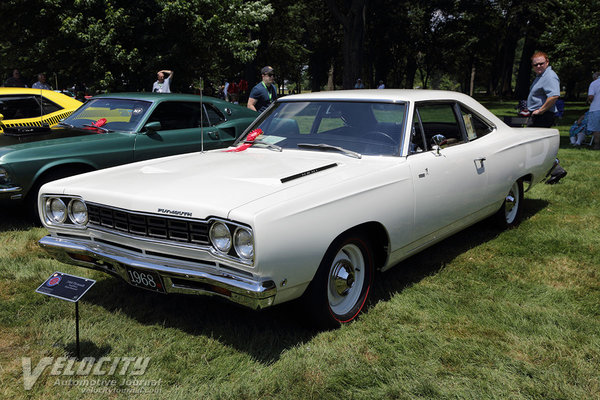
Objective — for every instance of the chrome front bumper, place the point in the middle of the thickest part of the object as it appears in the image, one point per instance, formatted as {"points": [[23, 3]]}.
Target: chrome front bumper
{"points": [[177, 276], [11, 192]]}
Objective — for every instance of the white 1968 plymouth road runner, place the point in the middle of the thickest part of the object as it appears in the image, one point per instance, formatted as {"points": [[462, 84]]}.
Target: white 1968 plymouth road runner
{"points": [[321, 190]]}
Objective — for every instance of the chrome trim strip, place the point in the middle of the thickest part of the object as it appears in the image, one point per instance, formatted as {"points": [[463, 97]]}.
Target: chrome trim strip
{"points": [[256, 294], [13, 189]]}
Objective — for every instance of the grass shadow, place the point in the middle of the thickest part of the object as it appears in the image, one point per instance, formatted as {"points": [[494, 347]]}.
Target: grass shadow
{"points": [[15, 217], [431, 260], [87, 348]]}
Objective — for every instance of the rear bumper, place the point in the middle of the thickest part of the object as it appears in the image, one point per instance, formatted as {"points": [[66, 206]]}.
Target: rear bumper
{"points": [[177, 276]]}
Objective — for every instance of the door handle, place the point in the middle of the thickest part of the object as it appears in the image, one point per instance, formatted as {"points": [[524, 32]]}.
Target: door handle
{"points": [[480, 160], [213, 135]]}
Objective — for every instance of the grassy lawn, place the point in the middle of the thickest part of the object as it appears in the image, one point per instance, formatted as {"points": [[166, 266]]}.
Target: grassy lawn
{"points": [[482, 315]]}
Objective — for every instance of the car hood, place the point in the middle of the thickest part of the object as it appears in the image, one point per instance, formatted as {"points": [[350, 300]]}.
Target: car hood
{"points": [[211, 183], [11, 140]]}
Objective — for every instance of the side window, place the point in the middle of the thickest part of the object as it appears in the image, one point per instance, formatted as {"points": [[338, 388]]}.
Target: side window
{"points": [[50, 106], [474, 125], [440, 119], [16, 107], [417, 137], [177, 115], [214, 116]]}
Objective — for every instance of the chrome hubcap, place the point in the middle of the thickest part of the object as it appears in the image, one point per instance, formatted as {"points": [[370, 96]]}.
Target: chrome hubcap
{"points": [[511, 204], [343, 277], [346, 279]]}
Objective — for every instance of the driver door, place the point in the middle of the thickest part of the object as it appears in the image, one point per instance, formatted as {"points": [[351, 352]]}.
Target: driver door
{"points": [[450, 185]]}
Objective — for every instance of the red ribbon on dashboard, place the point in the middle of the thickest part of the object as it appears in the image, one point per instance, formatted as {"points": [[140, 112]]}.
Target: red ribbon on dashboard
{"points": [[250, 138], [100, 122]]}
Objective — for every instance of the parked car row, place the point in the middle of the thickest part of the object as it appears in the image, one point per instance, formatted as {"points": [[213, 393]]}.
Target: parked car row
{"points": [[320, 191], [111, 130]]}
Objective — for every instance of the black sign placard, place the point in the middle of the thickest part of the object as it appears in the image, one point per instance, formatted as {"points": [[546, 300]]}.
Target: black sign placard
{"points": [[65, 286]]}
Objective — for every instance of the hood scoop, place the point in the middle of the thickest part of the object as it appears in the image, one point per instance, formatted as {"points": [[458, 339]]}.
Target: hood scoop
{"points": [[306, 173], [26, 130]]}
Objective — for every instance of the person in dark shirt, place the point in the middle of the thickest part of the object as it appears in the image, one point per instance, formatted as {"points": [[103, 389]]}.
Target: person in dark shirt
{"points": [[15, 80], [264, 93]]}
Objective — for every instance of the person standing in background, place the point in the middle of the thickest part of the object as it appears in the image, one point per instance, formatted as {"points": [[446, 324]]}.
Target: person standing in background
{"points": [[543, 93], [264, 93], [163, 84], [41, 82], [594, 112]]}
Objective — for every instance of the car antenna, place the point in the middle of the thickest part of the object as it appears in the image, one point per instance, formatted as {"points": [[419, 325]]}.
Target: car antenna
{"points": [[201, 119]]}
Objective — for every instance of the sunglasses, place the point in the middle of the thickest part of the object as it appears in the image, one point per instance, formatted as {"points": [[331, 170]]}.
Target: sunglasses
{"points": [[269, 74], [539, 64]]}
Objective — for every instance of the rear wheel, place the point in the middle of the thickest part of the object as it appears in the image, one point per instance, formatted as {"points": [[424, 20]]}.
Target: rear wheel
{"points": [[509, 215], [343, 281]]}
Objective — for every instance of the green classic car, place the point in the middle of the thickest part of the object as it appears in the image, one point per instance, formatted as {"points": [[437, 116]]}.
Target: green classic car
{"points": [[115, 129]]}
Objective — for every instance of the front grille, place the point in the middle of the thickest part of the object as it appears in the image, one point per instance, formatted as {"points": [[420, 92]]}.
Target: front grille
{"points": [[150, 226]]}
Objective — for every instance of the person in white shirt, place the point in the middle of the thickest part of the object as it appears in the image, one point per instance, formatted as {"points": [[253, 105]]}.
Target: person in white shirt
{"points": [[594, 113], [162, 84], [41, 83]]}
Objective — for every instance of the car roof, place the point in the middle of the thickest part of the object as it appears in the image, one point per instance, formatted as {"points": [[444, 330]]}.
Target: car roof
{"points": [[61, 99], [150, 96], [391, 95]]}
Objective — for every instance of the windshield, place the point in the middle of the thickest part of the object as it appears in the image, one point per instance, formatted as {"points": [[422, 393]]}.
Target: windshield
{"points": [[120, 114], [361, 127]]}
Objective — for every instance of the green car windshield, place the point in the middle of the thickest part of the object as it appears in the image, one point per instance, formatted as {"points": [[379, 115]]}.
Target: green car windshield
{"points": [[120, 114], [367, 128]]}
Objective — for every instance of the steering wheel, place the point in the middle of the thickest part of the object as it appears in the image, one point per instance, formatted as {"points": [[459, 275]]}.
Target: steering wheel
{"points": [[384, 135]]}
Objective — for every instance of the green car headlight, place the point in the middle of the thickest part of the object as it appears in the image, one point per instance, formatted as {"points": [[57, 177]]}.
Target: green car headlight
{"points": [[220, 237], [4, 177], [243, 242], [56, 210], [78, 213]]}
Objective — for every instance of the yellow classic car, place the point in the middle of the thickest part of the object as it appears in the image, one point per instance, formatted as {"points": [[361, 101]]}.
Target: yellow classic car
{"points": [[33, 107]]}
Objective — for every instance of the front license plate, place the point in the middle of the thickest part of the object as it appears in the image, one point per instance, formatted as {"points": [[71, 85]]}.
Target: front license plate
{"points": [[145, 279]]}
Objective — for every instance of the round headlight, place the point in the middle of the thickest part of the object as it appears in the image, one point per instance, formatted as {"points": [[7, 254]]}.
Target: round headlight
{"points": [[220, 237], [243, 242], [56, 210], [78, 213]]}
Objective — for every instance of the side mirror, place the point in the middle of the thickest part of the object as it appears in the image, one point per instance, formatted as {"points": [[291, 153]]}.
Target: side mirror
{"points": [[437, 141], [152, 127]]}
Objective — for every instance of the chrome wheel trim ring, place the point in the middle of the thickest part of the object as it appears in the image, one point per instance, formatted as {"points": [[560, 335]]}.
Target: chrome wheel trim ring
{"points": [[346, 279]]}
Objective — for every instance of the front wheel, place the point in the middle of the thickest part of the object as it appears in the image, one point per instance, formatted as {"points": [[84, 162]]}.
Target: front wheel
{"points": [[509, 215], [343, 281]]}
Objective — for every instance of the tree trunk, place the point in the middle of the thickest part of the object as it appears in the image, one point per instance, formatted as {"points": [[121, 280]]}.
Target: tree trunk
{"points": [[353, 23]]}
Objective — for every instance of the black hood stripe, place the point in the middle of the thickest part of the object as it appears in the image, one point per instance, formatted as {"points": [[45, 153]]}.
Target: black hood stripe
{"points": [[306, 173]]}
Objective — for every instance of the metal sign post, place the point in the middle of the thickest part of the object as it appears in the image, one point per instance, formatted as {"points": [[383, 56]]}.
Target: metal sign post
{"points": [[70, 288]]}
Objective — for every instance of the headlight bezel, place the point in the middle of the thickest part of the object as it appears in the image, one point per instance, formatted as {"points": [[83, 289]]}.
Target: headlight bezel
{"points": [[240, 251], [233, 253], [71, 212], [226, 232], [68, 220]]}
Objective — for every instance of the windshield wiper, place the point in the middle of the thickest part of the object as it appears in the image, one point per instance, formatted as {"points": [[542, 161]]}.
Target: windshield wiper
{"points": [[103, 129], [66, 124], [324, 146], [269, 145]]}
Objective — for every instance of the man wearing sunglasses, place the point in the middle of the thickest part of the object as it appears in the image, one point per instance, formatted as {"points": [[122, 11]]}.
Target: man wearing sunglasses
{"points": [[264, 93], [543, 93]]}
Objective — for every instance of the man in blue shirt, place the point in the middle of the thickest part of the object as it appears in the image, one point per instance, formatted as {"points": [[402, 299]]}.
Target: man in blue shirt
{"points": [[543, 93], [264, 93]]}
